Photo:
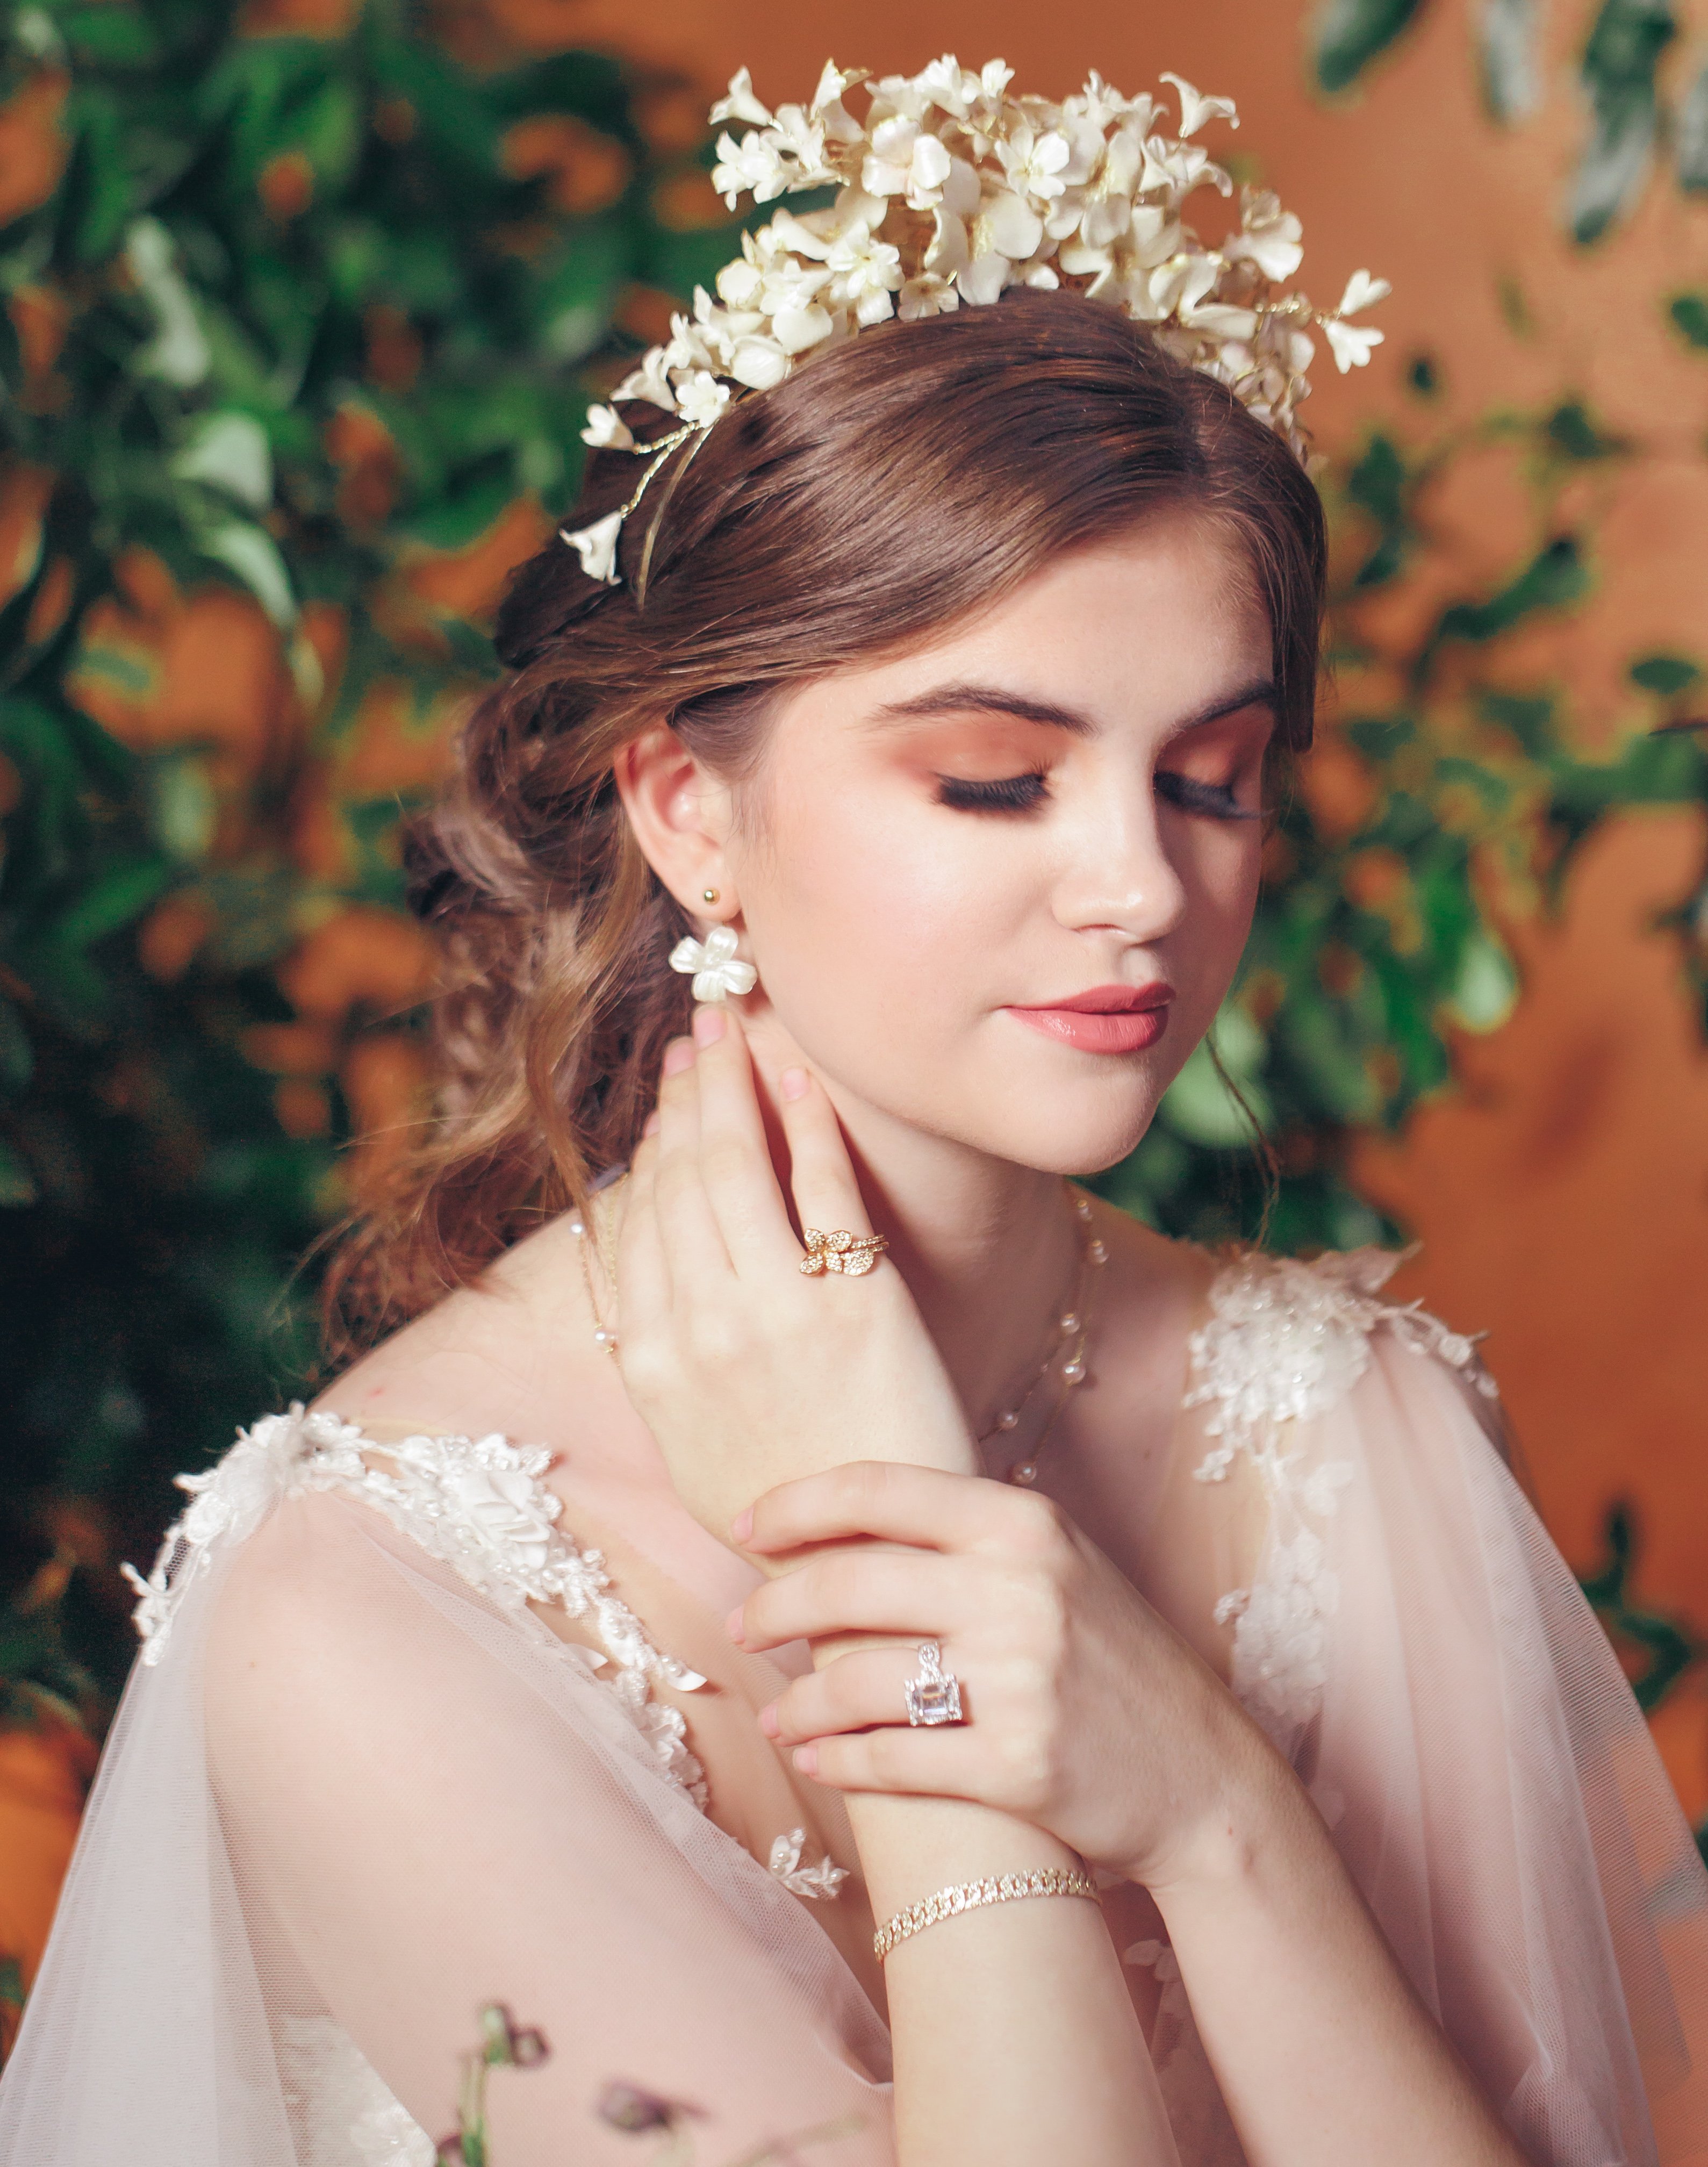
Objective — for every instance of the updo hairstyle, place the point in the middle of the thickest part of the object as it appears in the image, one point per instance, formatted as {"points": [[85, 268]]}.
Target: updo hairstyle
{"points": [[893, 486]]}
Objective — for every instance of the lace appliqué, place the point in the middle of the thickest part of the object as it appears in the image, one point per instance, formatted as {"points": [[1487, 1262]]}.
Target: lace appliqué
{"points": [[822, 1883], [477, 1505], [341, 2112], [1288, 1341]]}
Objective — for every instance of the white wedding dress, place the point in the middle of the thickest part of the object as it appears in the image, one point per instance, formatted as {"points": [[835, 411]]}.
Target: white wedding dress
{"points": [[359, 1785]]}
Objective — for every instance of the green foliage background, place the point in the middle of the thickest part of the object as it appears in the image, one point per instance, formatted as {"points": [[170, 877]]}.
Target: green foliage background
{"points": [[299, 334]]}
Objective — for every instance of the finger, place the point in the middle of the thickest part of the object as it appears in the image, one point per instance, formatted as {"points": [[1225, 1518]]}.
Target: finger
{"points": [[735, 1165], [897, 1503], [946, 1762], [855, 1692], [857, 1591], [687, 1227], [821, 1175], [643, 1269]]}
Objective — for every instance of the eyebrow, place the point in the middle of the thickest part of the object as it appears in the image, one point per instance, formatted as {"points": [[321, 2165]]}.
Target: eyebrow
{"points": [[993, 699]]}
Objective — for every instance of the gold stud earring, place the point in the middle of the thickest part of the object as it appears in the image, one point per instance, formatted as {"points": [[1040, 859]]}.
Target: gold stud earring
{"points": [[708, 895]]}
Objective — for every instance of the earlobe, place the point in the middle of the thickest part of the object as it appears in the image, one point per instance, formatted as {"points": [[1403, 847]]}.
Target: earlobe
{"points": [[680, 816]]}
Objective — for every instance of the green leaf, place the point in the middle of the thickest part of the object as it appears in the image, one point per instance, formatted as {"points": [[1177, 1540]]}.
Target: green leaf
{"points": [[229, 451], [1555, 578], [1570, 429], [1351, 32], [1485, 987], [1618, 71], [1506, 37], [120, 893], [1691, 138], [111, 36], [1690, 315], [253, 554], [1668, 675]]}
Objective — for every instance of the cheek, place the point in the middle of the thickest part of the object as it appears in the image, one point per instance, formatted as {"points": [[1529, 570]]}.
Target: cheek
{"points": [[866, 909]]}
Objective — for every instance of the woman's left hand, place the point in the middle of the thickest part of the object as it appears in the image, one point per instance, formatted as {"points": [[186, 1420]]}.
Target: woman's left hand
{"points": [[1085, 1713]]}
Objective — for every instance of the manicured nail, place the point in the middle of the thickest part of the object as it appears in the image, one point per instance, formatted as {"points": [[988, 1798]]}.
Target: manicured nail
{"points": [[710, 1025], [678, 1054], [741, 1527], [732, 1624], [806, 1760], [768, 1720], [649, 1127], [793, 1084]]}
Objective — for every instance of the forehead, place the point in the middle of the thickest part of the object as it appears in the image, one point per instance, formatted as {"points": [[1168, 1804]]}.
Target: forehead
{"points": [[1138, 632]]}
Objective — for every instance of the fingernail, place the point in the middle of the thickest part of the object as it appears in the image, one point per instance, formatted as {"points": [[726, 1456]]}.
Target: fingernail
{"points": [[732, 1624], [793, 1084], [741, 1527], [678, 1054], [710, 1025], [806, 1760], [649, 1127], [768, 1722]]}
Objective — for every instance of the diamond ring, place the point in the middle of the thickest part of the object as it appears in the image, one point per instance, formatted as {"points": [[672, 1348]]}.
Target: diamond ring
{"points": [[842, 1252], [935, 1695]]}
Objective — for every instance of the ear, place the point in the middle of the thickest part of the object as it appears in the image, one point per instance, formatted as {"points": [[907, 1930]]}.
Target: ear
{"points": [[682, 817]]}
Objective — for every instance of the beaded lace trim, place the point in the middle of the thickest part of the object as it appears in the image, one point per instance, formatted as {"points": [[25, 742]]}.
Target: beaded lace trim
{"points": [[477, 1505], [1288, 1341]]}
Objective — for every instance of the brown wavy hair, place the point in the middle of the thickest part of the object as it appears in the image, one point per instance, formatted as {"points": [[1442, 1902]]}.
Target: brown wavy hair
{"points": [[896, 484]]}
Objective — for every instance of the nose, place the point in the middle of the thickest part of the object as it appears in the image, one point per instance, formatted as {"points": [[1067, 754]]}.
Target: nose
{"points": [[1117, 875]]}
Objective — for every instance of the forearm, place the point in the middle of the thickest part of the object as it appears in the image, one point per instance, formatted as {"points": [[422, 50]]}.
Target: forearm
{"points": [[1324, 2056], [1014, 2038]]}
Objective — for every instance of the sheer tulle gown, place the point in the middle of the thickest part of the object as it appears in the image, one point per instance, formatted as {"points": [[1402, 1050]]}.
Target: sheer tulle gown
{"points": [[409, 1735]]}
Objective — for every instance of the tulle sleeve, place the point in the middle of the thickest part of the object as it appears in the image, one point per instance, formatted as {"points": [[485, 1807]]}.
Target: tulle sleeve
{"points": [[354, 1803], [1407, 1633]]}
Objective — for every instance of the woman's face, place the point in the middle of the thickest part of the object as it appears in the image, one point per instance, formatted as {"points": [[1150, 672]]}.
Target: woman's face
{"points": [[997, 888]]}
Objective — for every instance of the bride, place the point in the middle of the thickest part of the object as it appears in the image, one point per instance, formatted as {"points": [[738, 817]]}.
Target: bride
{"points": [[876, 1655]]}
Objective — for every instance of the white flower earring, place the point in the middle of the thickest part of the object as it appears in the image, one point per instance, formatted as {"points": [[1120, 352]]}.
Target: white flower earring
{"points": [[718, 970]]}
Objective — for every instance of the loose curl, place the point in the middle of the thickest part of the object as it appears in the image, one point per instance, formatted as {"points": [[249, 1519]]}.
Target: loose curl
{"points": [[895, 486]]}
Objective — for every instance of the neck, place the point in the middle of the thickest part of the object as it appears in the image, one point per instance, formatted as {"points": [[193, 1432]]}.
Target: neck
{"points": [[989, 1250]]}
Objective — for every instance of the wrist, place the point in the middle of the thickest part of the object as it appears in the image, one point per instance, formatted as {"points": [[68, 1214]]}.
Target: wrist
{"points": [[1254, 1812]]}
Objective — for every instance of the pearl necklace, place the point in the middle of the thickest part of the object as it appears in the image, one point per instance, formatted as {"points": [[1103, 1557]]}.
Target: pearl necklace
{"points": [[1073, 1331]]}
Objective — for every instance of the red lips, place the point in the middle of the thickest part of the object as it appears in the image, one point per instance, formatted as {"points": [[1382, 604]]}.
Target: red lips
{"points": [[1106, 1020]]}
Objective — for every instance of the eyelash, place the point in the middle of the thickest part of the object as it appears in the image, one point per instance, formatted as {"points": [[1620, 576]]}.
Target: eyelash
{"points": [[1024, 793]]}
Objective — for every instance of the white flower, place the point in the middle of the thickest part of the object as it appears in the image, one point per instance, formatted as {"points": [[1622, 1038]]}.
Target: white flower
{"points": [[1351, 344], [1362, 291], [701, 398], [927, 295], [1036, 165], [650, 382], [866, 273], [1196, 109], [717, 971], [597, 547], [606, 430], [1268, 236], [759, 363], [753, 167], [820, 1883], [903, 162], [741, 105]]}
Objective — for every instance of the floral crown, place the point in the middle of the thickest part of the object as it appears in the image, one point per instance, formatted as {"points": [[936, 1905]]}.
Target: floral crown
{"points": [[951, 191]]}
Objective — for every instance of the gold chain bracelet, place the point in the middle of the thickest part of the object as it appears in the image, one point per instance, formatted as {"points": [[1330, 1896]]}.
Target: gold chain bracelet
{"points": [[969, 1895]]}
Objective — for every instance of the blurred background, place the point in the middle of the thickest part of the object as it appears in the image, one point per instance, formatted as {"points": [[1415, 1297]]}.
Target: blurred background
{"points": [[303, 302]]}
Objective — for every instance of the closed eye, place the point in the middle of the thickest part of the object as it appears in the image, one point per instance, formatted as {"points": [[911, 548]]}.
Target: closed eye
{"points": [[1216, 801], [1008, 794]]}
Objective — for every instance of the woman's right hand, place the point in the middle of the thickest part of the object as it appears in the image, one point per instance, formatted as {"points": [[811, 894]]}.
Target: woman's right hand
{"points": [[748, 1372]]}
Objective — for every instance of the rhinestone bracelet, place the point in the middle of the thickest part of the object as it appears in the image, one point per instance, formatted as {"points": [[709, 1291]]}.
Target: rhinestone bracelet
{"points": [[969, 1895]]}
